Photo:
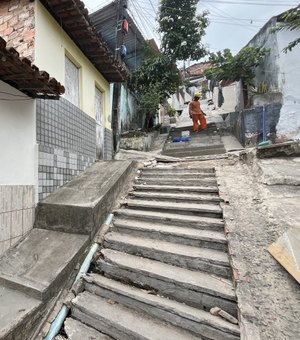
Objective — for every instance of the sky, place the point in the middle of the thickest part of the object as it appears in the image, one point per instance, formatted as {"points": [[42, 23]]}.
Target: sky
{"points": [[232, 22]]}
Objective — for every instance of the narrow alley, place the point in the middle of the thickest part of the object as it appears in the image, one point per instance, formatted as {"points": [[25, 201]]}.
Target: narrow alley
{"points": [[149, 170]]}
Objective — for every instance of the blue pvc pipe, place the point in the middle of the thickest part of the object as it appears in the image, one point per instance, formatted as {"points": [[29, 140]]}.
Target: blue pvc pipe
{"points": [[264, 124], [61, 316]]}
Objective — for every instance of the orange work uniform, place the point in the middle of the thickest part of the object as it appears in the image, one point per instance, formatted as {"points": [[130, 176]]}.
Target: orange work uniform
{"points": [[197, 115]]}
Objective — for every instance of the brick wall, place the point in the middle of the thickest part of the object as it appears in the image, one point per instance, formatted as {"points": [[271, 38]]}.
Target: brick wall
{"points": [[17, 26], [67, 143]]}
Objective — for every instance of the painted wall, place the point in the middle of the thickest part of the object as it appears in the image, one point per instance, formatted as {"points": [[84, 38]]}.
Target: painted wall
{"points": [[129, 119], [18, 165], [17, 137], [282, 73], [51, 46]]}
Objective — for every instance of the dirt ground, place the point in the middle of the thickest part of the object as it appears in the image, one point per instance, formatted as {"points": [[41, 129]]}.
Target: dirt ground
{"points": [[256, 215]]}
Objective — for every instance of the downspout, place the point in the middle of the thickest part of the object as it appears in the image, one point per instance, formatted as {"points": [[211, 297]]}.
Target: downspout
{"points": [[62, 314]]}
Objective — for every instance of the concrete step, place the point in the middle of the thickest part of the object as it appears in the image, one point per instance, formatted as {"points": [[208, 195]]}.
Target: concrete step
{"points": [[207, 260], [171, 197], [194, 320], [76, 330], [198, 222], [196, 289], [195, 209], [168, 170], [195, 143], [177, 188], [183, 175], [194, 152], [40, 264], [123, 323], [17, 313], [172, 233], [203, 182]]}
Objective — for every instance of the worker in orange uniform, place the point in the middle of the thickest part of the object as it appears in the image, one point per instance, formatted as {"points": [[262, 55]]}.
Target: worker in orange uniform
{"points": [[196, 113]]}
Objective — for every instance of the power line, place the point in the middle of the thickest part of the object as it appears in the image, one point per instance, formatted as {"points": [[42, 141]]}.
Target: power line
{"points": [[248, 3]]}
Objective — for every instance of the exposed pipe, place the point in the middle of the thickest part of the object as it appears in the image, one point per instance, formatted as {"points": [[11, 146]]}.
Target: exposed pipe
{"points": [[62, 314]]}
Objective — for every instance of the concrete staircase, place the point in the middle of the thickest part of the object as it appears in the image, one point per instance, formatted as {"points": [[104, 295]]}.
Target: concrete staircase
{"points": [[201, 143], [163, 265], [35, 270]]}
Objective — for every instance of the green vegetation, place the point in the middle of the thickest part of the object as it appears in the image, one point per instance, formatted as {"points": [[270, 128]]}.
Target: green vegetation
{"points": [[290, 20], [235, 68], [182, 29]]}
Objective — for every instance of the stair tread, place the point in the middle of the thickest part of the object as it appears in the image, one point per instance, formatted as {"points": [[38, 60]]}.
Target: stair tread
{"points": [[159, 169], [158, 246], [190, 188], [197, 281], [178, 196], [158, 303], [156, 215], [77, 330], [124, 320], [174, 230], [194, 207]]}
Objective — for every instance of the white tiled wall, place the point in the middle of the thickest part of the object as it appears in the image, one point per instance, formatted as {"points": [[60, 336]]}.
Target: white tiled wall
{"points": [[16, 213]]}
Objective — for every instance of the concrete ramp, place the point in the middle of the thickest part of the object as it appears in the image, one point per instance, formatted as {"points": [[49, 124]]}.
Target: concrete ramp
{"points": [[80, 206]]}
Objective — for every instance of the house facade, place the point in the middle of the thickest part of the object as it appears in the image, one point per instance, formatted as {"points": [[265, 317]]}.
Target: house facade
{"points": [[280, 74], [47, 140]]}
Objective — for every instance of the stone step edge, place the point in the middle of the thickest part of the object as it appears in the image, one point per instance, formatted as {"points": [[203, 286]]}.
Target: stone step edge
{"points": [[201, 221], [163, 229], [183, 251], [107, 257], [122, 293], [177, 188], [83, 308], [184, 207]]}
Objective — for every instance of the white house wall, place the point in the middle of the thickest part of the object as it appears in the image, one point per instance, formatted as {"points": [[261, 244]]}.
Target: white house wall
{"points": [[289, 79], [18, 165]]}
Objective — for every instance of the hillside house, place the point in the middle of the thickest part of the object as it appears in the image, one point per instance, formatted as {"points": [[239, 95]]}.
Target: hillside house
{"points": [[47, 137]]}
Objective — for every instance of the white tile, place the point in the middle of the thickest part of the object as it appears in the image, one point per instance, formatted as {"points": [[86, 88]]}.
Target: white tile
{"points": [[5, 225], [28, 196], [4, 245], [7, 198], [16, 224], [28, 215], [17, 197]]}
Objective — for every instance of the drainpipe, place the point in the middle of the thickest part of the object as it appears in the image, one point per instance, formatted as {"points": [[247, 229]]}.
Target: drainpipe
{"points": [[61, 316], [264, 141]]}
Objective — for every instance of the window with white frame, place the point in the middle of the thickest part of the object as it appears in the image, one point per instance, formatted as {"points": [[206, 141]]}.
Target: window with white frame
{"points": [[72, 76]]}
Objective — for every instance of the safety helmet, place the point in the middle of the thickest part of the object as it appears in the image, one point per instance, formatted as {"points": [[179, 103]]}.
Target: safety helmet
{"points": [[197, 94]]}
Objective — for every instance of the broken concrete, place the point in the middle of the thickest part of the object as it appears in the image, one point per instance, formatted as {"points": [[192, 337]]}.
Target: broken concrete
{"points": [[199, 222], [194, 288], [206, 260], [76, 330], [121, 322], [172, 233], [178, 314], [81, 206]]}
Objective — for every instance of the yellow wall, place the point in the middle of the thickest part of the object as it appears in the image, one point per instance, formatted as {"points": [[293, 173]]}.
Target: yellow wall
{"points": [[51, 46]]}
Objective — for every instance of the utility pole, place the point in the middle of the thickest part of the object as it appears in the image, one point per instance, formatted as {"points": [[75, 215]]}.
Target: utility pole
{"points": [[121, 6]]}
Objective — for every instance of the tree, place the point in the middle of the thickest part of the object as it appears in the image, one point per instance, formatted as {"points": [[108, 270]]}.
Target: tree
{"points": [[289, 20], [234, 68], [154, 80], [182, 29]]}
